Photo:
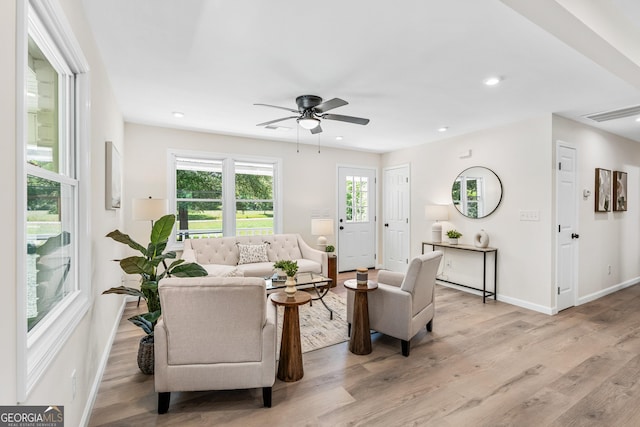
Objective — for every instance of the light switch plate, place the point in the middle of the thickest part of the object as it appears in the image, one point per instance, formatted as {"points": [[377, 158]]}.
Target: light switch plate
{"points": [[527, 215]]}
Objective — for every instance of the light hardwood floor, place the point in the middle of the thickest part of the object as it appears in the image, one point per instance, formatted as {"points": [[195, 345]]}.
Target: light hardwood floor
{"points": [[483, 365]]}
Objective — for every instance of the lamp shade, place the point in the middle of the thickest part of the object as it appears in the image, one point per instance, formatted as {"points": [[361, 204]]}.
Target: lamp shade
{"points": [[436, 212], [149, 209], [322, 226]]}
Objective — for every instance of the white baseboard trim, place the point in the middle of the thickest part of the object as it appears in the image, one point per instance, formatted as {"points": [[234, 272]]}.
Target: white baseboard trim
{"points": [[528, 305], [594, 296], [509, 300], [93, 393]]}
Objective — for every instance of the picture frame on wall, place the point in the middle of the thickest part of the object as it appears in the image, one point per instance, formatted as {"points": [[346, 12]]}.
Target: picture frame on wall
{"points": [[603, 190], [113, 177], [620, 191]]}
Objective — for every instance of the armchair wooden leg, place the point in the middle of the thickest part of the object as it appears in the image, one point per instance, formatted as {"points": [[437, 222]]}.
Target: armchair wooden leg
{"points": [[406, 347], [348, 329], [430, 325], [163, 402], [266, 396]]}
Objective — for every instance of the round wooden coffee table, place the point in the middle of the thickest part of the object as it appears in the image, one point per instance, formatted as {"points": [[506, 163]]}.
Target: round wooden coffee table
{"points": [[360, 340], [290, 365]]}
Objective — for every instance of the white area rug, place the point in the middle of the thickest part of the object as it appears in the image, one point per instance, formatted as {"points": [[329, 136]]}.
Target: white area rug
{"points": [[316, 330]]}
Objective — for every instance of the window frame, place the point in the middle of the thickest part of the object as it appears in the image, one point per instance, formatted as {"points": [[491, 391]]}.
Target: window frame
{"points": [[45, 21], [228, 188]]}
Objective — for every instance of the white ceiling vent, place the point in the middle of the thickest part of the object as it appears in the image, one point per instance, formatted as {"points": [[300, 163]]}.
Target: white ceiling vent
{"points": [[614, 114]]}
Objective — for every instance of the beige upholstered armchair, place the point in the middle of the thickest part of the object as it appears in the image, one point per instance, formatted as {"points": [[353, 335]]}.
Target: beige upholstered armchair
{"points": [[403, 303], [215, 334]]}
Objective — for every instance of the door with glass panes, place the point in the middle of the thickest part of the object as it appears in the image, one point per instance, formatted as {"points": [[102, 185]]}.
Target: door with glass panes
{"points": [[356, 218]]}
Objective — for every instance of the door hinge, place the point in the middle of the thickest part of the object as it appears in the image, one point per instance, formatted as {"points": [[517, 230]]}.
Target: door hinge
{"points": [[375, 256], [406, 261], [559, 165], [407, 220], [558, 290], [407, 178], [558, 228]]}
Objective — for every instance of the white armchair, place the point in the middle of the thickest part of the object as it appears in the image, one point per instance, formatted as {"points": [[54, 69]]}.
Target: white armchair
{"points": [[215, 334], [403, 303]]}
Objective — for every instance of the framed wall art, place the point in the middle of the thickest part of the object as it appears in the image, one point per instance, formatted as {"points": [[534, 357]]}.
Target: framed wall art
{"points": [[620, 191], [603, 190], [113, 178]]}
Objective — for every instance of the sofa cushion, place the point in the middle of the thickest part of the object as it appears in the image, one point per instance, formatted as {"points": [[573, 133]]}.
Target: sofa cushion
{"points": [[221, 270], [250, 254], [257, 269]]}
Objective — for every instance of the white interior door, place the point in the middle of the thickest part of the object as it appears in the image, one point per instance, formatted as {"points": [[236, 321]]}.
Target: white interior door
{"points": [[395, 218], [567, 242], [356, 218]]}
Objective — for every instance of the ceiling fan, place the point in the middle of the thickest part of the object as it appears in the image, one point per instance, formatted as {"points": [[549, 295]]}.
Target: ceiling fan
{"points": [[311, 109]]}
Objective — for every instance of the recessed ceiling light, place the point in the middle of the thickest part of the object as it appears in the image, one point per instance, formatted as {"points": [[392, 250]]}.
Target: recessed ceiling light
{"points": [[492, 81], [339, 138], [178, 114], [443, 129], [638, 119]]}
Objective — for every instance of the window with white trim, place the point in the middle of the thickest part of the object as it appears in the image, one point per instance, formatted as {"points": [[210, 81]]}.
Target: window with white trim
{"points": [[54, 288], [222, 195]]}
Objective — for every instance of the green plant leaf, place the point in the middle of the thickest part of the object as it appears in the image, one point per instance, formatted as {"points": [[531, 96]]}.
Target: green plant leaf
{"points": [[143, 322], [162, 229], [175, 263], [124, 238], [190, 269], [123, 290], [137, 265]]}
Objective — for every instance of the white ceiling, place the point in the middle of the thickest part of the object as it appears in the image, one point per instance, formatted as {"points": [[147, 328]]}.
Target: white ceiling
{"points": [[410, 66]]}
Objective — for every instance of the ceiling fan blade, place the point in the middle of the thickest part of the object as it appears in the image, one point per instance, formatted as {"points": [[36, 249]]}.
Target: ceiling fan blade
{"points": [[316, 130], [282, 108], [348, 119], [276, 121], [330, 105]]}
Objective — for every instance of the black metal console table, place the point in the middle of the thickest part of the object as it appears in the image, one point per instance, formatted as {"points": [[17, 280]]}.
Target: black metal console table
{"points": [[484, 251]]}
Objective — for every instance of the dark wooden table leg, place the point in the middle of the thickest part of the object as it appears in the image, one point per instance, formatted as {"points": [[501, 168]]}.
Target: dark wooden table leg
{"points": [[360, 342], [290, 365]]}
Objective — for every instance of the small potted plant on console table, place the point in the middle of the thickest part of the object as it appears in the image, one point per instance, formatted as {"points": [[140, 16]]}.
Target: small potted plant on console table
{"points": [[453, 236]]}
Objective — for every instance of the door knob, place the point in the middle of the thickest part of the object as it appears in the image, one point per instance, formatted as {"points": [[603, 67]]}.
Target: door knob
{"points": [[386, 225], [341, 228], [575, 236]]}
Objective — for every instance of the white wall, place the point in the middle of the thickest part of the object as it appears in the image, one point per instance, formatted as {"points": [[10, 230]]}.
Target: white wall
{"points": [[309, 177], [520, 154], [611, 238], [84, 349]]}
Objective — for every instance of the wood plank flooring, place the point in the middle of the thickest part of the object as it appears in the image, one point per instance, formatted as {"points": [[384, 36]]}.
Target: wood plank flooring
{"points": [[483, 365]]}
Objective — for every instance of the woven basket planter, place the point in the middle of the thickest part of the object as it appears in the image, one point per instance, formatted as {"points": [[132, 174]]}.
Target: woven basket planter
{"points": [[145, 355]]}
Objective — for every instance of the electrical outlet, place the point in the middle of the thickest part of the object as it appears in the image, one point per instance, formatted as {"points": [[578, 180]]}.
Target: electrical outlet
{"points": [[74, 384], [448, 263], [609, 270]]}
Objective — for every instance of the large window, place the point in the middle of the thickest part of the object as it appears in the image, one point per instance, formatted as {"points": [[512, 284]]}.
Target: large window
{"points": [[54, 269], [221, 195]]}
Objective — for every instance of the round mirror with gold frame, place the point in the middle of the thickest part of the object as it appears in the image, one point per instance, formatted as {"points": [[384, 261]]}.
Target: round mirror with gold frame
{"points": [[476, 192]]}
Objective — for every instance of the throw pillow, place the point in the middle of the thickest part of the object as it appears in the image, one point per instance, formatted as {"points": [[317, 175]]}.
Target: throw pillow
{"points": [[253, 253]]}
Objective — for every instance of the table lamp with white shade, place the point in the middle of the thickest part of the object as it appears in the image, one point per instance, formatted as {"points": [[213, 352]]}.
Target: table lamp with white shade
{"points": [[436, 213], [149, 209], [322, 227]]}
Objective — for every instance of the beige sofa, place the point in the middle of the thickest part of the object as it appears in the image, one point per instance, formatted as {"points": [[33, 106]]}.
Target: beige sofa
{"points": [[253, 256]]}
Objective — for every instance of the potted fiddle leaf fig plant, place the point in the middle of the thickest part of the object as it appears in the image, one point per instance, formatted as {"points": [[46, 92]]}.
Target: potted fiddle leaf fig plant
{"points": [[148, 266]]}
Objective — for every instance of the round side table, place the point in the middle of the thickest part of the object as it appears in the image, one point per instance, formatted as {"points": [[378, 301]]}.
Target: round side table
{"points": [[290, 365], [360, 340]]}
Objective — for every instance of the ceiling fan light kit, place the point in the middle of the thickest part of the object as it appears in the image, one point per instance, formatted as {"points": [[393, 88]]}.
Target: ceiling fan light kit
{"points": [[311, 109]]}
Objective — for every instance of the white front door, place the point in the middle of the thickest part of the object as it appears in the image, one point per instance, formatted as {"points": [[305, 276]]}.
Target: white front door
{"points": [[356, 218], [395, 218], [567, 243]]}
